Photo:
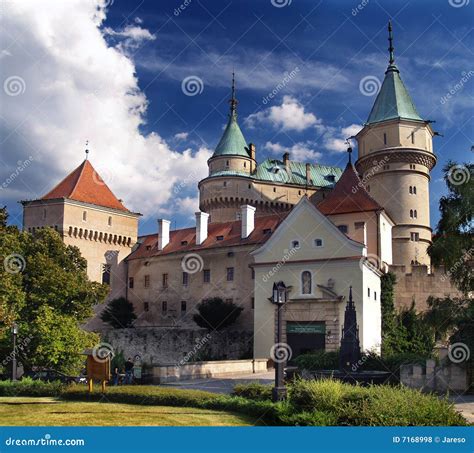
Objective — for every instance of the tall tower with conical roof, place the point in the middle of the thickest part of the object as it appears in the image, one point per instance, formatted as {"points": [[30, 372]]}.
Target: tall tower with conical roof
{"points": [[395, 160]]}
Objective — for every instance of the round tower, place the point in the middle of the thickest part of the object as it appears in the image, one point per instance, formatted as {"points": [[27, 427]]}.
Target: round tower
{"points": [[395, 159]]}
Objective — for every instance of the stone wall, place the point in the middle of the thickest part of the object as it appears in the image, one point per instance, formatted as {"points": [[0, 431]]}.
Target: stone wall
{"points": [[419, 284], [160, 346], [443, 378]]}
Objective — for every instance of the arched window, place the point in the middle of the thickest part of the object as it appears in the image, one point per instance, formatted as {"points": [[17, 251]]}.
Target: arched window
{"points": [[110, 221], [410, 189], [415, 214], [414, 190], [411, 213], [306, 282], [84, 216]]}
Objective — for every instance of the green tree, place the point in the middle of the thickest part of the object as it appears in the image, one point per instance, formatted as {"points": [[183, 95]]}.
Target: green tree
{"points": [[389, 316], [119, 313], [443, 315], [215, 314], [45, 289], [453, 244]]}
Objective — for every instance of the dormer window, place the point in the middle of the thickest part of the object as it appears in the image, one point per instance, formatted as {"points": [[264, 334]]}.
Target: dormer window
{"points": [[219, 238], [318, 242], [148, 247], [331, 178], [184, 242], [267, 230], [342, 228]]}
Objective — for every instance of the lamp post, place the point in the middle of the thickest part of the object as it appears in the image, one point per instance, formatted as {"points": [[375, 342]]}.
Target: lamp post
{"points": [[279, 296], [15, 333]]}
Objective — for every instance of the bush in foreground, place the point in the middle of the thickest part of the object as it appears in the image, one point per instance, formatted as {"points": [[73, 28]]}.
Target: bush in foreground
{"points": [[30, 387]]}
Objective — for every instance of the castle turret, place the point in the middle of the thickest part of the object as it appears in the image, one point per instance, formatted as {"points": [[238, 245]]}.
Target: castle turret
{"points": [[395, 160]]}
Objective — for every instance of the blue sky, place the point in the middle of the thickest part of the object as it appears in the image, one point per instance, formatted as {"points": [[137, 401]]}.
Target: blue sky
{"points": [[330, 47]]}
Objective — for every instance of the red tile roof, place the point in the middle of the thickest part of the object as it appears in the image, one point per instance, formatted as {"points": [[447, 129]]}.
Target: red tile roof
{"points": [[348, 195], [85, 184], [185, 240]]}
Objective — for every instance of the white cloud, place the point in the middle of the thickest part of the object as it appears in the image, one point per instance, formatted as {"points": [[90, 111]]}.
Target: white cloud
{"points": [[78, 87], [301, 152], [181, 135], [334, 138], [290, 115]]}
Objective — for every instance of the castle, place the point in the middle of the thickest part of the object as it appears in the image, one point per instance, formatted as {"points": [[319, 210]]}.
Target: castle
{"points": [[317, 228]]}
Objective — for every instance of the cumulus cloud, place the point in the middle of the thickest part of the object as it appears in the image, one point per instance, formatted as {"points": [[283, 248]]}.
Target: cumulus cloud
{"points": [[301, 152], [181, 135], [73, 86], [290, 115], [334, 138]]}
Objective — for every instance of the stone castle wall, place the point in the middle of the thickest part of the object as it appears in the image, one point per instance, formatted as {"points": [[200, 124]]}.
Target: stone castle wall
{"points": [[162, 346], [418, 284]]}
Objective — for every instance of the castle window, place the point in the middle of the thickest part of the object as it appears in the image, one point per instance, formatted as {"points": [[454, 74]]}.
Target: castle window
{"points": [[384, 139], [230, 274], [164, 306], [225, 183], [230, 254], [250, 186], [106, 274], [130, 282], [185, 279], [411, 213], [206, 276], [84, 216], [252, 302], [415, 214], [245, 164], [274, 189], [147, 281], [412, 166], [413, 138], [318, 242], [109, 222], [343, 228], [164, 280], [306, 282], [414, 237], [375, 295], [368, 292], [183, 306], [414, 190], [227, 163], [146, 306], [299, 192], [253, 273], [410, 189], [295, 244]]}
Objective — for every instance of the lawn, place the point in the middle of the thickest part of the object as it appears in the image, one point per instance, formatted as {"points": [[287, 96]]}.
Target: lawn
{"points": [[28, 411]]}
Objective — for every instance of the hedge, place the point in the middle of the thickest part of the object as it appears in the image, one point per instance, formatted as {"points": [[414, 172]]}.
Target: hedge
{"points": [[30, 387]]}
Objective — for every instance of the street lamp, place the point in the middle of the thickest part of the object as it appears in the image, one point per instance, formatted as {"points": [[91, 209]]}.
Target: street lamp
{"points": [[279, 295], [15, 333]]}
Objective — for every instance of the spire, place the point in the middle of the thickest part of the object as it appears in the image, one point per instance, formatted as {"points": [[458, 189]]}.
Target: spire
{"points": [[390, 40], [233, 101], [87, 150]]}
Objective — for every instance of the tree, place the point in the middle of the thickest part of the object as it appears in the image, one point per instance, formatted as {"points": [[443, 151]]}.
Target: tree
{"points": [[45, 290], [453, 244], [443, 315], [389, 316], [215, 314], [119, 313]]}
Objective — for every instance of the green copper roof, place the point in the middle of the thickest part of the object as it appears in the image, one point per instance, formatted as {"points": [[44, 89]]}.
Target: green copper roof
{"points": [[232, 141], [393, 100]]}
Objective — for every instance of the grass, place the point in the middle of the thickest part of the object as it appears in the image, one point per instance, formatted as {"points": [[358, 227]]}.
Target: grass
{"points": [[47, 411]]}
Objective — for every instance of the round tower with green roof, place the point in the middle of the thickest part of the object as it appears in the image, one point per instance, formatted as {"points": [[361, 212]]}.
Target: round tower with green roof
{"points": [[395, 159]]}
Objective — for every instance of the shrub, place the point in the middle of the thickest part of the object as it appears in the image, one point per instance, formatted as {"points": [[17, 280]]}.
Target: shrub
{"points": [[254, 391], [30, 387], [373, 406], [215, 314], [318, 361]]}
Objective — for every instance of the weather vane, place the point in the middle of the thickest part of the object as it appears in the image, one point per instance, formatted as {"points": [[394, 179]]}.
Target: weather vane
{"points": [[87, 150]]}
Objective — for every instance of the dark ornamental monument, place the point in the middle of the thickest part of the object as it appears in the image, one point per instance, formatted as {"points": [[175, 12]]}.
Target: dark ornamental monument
{"points": [[349, 354]]}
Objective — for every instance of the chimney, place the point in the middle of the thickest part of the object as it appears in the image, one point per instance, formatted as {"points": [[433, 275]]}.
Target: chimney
{"points": [[308, 174], [248, 220], [286, 161], [252, 150], [163, 233], [201, 227]]}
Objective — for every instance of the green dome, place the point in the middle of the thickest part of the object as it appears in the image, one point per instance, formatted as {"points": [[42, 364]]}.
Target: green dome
{"points": [[393, 100], [232, 141]]}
